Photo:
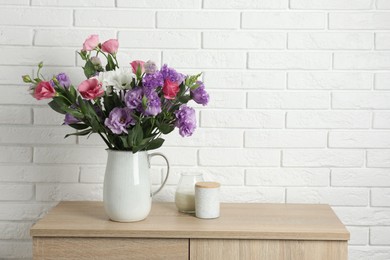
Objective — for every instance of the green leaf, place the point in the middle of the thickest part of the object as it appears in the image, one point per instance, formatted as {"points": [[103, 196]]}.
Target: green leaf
{"points": [[85, 132], [156, 143], [111, 138], [91, 109], [190, 81], [110, 63], [124, 141], [145, 141], [184, 99], [61, 105], [90, 115], [165, 128], [73, 94], [89, 69], [79, 126], [118, 142], [62, 100], [109, 103], [130, 138], [82, 105], [136, 148], [138, 135], [182, 89], [53, 104], [95, 125], [195, 86], [83, 55], [75, 113], [175, 107]]}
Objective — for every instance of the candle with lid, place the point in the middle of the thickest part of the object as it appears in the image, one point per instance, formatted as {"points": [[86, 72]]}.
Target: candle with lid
{"points": [[207, 199], [185, 192]]}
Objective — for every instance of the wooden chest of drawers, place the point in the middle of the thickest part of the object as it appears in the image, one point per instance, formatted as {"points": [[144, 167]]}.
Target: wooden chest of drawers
{"points": [[81, 230]]}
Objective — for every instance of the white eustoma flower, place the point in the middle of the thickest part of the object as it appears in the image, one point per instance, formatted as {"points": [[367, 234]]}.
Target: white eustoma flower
{"points": [[119, 79]]}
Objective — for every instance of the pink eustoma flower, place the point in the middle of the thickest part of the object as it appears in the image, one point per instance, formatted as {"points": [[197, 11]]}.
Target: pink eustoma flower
{"points": [[135, 64], [44, 90], [170, 89], [91, 89], [91, 42], [110, 46]]}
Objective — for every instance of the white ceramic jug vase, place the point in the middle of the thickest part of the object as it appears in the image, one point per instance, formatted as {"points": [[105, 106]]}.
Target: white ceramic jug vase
{"points": [[127, 194]]}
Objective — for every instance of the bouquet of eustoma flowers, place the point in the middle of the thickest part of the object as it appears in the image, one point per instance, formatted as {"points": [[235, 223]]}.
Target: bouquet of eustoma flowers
{"points": [[130, 108]]}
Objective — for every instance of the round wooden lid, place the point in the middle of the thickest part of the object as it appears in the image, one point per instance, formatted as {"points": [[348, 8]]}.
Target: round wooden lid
{"points": [[207, 184]]}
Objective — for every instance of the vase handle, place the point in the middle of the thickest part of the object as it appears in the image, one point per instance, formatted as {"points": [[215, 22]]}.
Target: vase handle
{"points": [[166, 176]]}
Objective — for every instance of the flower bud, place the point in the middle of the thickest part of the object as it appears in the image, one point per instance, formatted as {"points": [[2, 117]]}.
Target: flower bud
{"points": [[96, 61], [26, 79], [91, 42], [40, 65], [55, 81], [110, 46], [138, 67], [83, 54], [150, 67]]}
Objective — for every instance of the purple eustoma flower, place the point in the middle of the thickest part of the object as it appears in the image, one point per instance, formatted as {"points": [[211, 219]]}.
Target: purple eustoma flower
{"points": [[157, 79], [171, 74], [63, 80], [119, 120], [199, 95], [133, 99], [185, 120], [153, 106], [69, 119], [152, 81]]}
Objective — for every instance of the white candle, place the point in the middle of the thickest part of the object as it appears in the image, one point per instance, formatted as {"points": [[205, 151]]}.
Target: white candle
{"points": [[185, 201], [207, 199]]}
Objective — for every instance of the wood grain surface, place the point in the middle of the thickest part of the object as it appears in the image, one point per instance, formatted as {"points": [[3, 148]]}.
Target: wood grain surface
{"points": [[218, 249], [237, 221], [110, 248]]}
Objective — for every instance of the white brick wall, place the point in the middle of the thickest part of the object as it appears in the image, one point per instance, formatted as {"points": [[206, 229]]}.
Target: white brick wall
{"points": [[299, 112]]}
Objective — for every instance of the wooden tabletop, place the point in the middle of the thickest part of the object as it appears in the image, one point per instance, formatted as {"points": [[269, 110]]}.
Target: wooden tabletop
{"points": [[237, 221]]}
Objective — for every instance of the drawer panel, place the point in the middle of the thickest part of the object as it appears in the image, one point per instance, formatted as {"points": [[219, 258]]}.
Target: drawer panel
{"points": [[225, 249], [109, 248]]}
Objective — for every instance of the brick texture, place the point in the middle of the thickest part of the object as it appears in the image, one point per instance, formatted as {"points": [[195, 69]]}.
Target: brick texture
{"points": [[299, 106]]}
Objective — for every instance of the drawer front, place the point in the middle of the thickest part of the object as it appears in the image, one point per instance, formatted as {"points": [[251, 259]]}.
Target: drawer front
{"points": [[224, 249], [109, 248]]}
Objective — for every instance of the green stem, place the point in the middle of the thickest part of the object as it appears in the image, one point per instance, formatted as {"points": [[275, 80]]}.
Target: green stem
{"points": [[116, 61], [99, 51], [151, 127], [70, 102], [105, 140], [146, 147], [39, 69]]}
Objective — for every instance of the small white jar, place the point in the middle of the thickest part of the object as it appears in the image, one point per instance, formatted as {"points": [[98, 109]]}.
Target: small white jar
{"points": [[207, 199]]}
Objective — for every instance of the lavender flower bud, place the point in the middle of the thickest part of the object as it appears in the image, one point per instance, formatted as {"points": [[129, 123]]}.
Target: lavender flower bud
{"points": [[150, 67], [96, 61]]}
